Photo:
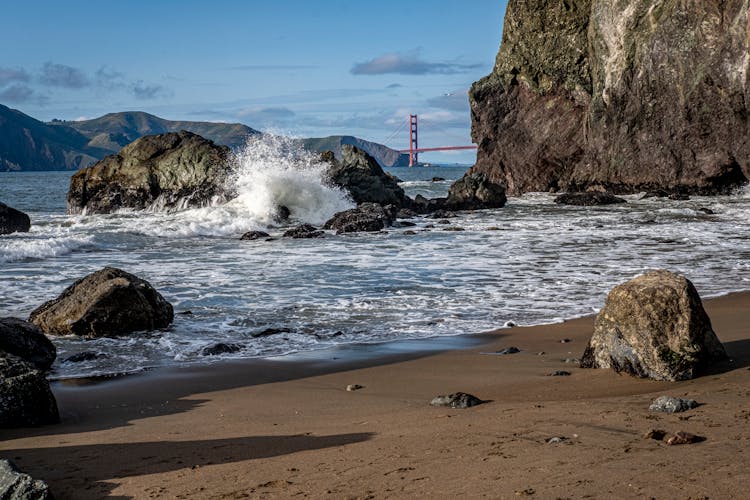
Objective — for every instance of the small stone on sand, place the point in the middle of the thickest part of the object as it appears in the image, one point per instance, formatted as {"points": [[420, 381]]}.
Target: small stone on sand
{"points": [[354, 387]]}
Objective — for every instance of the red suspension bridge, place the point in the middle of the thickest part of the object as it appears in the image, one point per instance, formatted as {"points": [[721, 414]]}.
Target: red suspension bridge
{"points": [[414, 148]]}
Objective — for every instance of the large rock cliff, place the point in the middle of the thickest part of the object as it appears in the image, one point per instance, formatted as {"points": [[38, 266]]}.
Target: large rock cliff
{"points": [[629, 95]]}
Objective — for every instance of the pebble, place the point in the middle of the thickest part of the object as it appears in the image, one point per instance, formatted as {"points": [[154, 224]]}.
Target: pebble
{"points": [[456, 400], [354, 387], [668, 404], [565, 341], [559, 373], [556, 439], [684, 438]]}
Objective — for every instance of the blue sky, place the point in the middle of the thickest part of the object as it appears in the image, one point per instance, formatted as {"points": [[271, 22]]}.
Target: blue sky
{"points": [[307, 68]]}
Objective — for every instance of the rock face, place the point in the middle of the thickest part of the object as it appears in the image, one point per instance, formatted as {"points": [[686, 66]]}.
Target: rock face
{"points": [[13, 221], [25, 340], [653, 326], [475, 191], [15, 485], [632, 96], [366, 217], [25, 396], [360, 174], [108, 302], [164, 172]]}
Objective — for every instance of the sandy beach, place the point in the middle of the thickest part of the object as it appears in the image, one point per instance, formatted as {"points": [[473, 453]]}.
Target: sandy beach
{"points": [[280, 429]]}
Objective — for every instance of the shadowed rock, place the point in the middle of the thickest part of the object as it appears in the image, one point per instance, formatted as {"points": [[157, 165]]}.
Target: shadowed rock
{"points": [[366, 217], [26, 341], [15, 485], [25, 396], [653, 326], [13, 221], [108, 302], [221, 348], [169, 171]]}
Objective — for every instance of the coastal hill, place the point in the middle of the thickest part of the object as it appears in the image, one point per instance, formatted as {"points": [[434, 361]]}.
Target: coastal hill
{"points": [[115, 130], [27, 144], [627, 96]]}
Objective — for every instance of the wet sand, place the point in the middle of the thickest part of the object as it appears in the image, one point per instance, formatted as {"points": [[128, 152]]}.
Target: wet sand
{"points": [[280, 429]]}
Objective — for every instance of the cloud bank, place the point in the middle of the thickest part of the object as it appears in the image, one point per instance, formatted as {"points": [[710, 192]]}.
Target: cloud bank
{"points": [[409, 64]]}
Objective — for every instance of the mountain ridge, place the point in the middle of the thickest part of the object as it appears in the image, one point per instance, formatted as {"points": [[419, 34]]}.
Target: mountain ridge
{"points": [[27, 144]]}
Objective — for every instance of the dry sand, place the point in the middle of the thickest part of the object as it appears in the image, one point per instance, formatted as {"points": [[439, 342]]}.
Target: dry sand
{"points": [[265, 429]]}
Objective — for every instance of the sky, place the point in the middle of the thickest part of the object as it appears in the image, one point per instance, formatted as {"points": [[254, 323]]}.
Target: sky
{"points": [[306, 68]]}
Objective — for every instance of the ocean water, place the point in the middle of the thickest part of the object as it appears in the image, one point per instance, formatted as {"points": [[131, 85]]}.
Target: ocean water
{"points": [[531, 262]]}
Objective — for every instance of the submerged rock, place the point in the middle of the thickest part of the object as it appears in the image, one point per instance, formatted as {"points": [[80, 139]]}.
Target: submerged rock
{"points": [[369, 217], [15, 485], [360, 174], [109, 302], [304, 231], [25, 395], [653, 326], [588, 199], [221, 348], [84, 356], [13, 221], [26, 341], [634, 96], [169, 171], [669, 404], [456, 400]]}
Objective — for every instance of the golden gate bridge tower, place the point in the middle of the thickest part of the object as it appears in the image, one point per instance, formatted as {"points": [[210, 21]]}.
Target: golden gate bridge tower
{"points": [[414, 148]]}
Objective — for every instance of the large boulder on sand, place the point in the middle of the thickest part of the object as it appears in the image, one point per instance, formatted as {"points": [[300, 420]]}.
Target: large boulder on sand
{"points": [[364, 179], [108, 302], [164, 172], [25, 396], [13, 221], [366, 217], [26, 341], [653, 326], [475, 191]]}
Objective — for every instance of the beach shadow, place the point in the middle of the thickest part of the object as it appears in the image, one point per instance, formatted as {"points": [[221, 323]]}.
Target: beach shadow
{"points": [[85, 406], [82, 471], [739, 357]]}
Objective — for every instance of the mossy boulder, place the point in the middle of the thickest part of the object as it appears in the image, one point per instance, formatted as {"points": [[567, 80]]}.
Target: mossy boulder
{"points": [[167, 172], [654, 326]]}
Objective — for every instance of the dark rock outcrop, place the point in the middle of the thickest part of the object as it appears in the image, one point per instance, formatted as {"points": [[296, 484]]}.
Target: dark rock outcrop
{"points": [[588, 199], [366, 217], [360, 174], [303, 231], [164, 172], [15, 485], [25, 396], [13, 221], [632, 96], [108, 302], [26, 340], [653, 326], [475, 191]]}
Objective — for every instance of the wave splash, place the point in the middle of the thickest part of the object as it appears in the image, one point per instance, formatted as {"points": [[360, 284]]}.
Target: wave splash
{"points": [[273, 171]]}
